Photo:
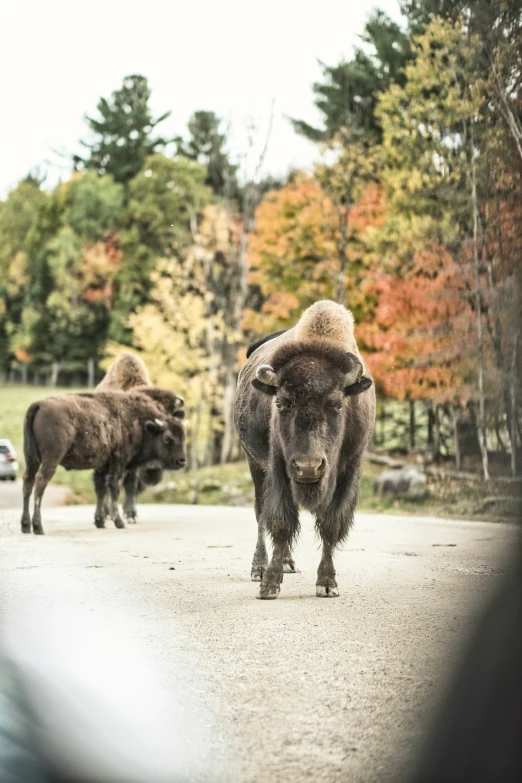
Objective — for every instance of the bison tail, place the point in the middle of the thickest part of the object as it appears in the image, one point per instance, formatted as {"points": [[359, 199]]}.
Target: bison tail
{"points": [[31, 450]]}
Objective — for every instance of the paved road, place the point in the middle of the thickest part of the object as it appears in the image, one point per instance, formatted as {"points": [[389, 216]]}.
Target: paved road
{"points": [[301, 688], [11, 494]]}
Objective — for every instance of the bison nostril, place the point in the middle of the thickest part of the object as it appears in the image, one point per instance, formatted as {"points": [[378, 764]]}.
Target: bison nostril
{"points": [[313, 465], [181, 462]]}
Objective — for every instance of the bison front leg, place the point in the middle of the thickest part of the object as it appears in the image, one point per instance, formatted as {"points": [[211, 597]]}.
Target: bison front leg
{"points": [[326, 585], [281, 517], [289, 566], [113, 482], [130, 486], [273, 575], [260, 559]]}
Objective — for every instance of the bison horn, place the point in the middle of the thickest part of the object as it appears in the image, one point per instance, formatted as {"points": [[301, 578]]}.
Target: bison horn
{"points": [[160, 424], [180, 401], [266, 375], [355, 373]]}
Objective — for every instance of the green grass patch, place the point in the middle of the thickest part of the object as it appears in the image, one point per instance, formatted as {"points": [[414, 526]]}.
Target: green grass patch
{"points": [[231, 485]]}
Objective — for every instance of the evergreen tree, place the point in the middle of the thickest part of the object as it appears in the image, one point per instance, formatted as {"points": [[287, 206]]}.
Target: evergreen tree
{"points": [[206, 145], [347, 96], [123, 133]]}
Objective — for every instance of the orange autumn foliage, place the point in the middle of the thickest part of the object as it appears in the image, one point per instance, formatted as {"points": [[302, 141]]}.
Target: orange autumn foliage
{"points": [[293, 254]]}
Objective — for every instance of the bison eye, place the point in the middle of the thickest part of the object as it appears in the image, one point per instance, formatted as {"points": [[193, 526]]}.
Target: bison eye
{"points": [[339, 406]]}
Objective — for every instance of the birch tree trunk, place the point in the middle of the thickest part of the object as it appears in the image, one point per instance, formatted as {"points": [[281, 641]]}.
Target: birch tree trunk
{"points": [[478, 305], [455, 418], [513, 432], [90, 373]]}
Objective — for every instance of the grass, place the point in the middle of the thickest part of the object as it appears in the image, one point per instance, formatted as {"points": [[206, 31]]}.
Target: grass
{"points": [[232, 485]]}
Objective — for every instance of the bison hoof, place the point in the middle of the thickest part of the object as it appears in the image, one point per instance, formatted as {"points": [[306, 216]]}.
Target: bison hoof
{"points": [[131, 519], [289, 566], [26, 528], [257, 572], [38, 530], [329, 590], [99, 521], [269, 591], [119, 523]]}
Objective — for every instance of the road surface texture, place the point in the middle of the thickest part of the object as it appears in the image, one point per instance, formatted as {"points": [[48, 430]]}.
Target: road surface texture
{"points": [[296, 689], [11, 494]]}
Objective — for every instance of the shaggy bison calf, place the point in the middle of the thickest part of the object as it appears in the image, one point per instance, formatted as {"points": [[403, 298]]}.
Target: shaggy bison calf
{"points": [[107, 432], [129, 373]]}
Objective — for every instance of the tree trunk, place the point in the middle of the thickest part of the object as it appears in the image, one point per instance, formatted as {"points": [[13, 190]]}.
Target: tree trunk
{"points": [[431, 424], [53, 378], [341, 251], [228, 414], [90, 373], [500, 442], [455, 418], [514, 408], [24, 373], [436, 427], [194, 452], [411, 427], [480, 338]]}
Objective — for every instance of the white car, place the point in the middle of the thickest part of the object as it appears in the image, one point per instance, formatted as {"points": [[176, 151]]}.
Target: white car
{"points": [[8, 463]]}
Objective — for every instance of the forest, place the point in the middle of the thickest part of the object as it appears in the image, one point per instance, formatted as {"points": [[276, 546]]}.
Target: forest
{"points": [[411, 217]]}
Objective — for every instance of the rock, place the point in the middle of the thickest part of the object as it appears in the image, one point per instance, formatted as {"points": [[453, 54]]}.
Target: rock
{"points": [[168, 486], [209, 485], [406, 482]]}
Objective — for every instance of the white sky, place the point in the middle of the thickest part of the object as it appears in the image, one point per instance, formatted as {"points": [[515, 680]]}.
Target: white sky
{"points": [[230, 56]]}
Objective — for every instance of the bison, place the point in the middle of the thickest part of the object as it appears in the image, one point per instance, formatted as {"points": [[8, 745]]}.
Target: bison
{"points": [[108, 432], [126, 372], [304, 412], [129, 372]]}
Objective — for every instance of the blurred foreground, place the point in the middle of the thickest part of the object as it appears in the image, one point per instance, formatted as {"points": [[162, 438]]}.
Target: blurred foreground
{"points": [[301, 688]]}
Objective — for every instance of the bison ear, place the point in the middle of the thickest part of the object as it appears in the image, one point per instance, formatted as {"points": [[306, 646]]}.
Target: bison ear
{"points": [[263, 387], [358, 387], [156, 427]]}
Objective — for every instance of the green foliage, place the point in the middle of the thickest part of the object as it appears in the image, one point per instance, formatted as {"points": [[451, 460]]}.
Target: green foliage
{"points": [[347, 96], [123, 132], [95, 206], [206, 144], [165, 199]]}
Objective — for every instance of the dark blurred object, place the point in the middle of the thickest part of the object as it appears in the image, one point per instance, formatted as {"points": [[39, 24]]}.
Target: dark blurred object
{"points": [[20, 759], [477, 737]]}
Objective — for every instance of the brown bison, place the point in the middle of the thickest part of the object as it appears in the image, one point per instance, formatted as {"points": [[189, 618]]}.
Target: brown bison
{"points": [[108, 432], [304, 412], [129, 372]]}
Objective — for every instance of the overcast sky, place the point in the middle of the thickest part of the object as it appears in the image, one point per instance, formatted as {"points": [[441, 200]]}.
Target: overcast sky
{"points": [[230, 56]]}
